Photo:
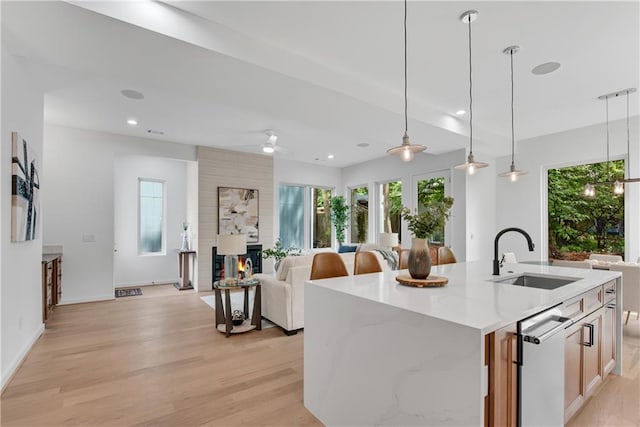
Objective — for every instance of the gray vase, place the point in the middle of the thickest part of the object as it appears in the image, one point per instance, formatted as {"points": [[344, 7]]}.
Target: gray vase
{"points": [[419, 262]]}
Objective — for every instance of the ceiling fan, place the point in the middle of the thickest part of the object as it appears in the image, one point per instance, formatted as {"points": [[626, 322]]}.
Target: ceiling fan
{"points": [[270, 146]]}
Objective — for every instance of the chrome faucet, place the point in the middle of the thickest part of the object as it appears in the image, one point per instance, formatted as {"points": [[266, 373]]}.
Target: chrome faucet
{"points": [[496, 263]]}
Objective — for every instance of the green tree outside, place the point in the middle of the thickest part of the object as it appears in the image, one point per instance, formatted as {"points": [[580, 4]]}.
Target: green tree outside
{"points": [[579, 224]]}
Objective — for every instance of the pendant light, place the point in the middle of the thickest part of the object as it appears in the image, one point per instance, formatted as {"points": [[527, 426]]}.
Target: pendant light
{"points": [[406, 151], [471, 164], [618, 184], [512, 173]]}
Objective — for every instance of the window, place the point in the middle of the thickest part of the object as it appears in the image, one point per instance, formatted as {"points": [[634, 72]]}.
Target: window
{"points": [[292, 216], [321, 218], [579, 225], [359, 211], [151, 237], [390, 208], [430, 189], [305, 216]]}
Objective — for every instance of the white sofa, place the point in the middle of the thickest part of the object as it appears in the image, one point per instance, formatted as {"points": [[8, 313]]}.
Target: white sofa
{"points": [[283, 291]]}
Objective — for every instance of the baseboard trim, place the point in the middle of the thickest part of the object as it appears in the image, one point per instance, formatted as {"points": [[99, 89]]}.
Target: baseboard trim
{"points": [[83, 300], [8, 375], [154, 283]]}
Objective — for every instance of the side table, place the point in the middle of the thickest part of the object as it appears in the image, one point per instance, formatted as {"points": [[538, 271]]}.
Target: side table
{"points": [[185, 260], [223, 318]]}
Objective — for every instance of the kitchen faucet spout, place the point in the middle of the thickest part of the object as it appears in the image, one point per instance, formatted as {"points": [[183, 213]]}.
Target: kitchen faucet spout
{"points": [[496, 262]]}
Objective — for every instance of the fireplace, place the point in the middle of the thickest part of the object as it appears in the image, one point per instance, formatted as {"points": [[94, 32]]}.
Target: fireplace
{"points": [[217, 261]]}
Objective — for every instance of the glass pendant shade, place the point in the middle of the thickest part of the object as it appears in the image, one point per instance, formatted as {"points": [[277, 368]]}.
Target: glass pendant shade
{"points": [[406, 151], [471, 165], [512, 173], [589, 190], [618, 187]]}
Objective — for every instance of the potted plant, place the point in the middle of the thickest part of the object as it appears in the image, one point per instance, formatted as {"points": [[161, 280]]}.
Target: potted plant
{"points": [[422, 226], [339, 216], [278, 252]]}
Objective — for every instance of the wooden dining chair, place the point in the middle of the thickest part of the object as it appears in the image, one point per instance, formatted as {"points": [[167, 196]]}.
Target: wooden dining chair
{"points": [[326, 265], [366, 262], [446, 255], [403, 259]]}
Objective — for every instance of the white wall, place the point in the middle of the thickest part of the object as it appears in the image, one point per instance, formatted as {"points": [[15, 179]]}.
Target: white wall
{"points": [[392, 168], [192, 215], [481, 211], [130, 267], [21, 277], [80, 203], [523, 203]]}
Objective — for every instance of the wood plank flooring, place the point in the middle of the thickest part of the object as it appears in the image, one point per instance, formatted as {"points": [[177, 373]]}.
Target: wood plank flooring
{"points": [[158, 361], [155, 361]]}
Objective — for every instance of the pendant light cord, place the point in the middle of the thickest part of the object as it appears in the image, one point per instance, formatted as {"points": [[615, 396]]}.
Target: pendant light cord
{"points": [[628, 138], [405, 67], [607, 104], [512, 120], [470, 94]]}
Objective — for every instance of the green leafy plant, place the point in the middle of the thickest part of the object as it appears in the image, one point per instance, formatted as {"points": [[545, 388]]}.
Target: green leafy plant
{"points": [[422, 225], [278, 252], [339, 216]]}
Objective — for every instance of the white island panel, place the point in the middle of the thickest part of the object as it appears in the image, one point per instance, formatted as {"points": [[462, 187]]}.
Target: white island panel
{"points": [[370, 363]]}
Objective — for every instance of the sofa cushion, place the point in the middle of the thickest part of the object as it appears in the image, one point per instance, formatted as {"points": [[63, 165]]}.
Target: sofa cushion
{"points": [[292, 261]]}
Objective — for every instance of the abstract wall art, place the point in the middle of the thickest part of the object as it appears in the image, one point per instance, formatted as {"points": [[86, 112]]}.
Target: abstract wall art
{"points": [[25, 186], [238, 212]]}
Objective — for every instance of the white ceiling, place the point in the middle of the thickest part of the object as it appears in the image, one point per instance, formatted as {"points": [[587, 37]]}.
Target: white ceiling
{"points": [[325, 75]]}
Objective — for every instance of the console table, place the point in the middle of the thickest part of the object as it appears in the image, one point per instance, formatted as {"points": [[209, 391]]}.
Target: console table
{"points": [[186, 260]]}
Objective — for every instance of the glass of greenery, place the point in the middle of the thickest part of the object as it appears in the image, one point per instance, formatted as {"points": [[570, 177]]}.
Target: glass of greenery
{"points": [[278, 252]]}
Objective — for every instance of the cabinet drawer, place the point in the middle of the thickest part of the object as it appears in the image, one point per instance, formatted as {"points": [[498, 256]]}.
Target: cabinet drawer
{"points": [[609, 291], [593, 300], [572, 308]]}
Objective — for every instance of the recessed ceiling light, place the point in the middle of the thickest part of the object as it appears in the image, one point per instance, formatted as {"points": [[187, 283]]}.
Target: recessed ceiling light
{"points": [[363, 144], [330, 156], [132, 122], [132, 94], [460, 112], [546, 68]]}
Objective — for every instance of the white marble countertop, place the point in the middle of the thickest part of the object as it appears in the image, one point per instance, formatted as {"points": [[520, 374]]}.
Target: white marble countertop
{"points": [[470, 298]]}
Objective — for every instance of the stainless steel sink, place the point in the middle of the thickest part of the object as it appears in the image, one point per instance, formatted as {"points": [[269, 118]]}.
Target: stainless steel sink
{"points": [[540, 281]]}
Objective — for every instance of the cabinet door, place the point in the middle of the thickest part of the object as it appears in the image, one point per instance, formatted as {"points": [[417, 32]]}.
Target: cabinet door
{"points": [[593, 352], [573, 362], [503, 377], [608, 339]]}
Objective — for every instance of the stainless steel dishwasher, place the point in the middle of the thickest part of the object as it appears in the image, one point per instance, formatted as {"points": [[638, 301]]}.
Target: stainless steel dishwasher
{"points": [[541, 344]]}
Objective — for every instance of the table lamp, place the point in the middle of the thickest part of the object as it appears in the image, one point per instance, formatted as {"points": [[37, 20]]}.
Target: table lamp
{"points": [[389, 240], [231, 245]]}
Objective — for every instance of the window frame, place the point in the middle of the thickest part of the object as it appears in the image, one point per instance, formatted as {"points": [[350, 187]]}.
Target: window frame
{"points": [[163, 250]]}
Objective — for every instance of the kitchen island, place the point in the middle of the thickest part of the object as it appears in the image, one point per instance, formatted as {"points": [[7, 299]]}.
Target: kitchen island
{"points": [[380, 353]]}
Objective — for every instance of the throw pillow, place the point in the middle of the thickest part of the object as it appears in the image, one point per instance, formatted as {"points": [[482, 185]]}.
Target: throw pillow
{"points": [[347, 248]]}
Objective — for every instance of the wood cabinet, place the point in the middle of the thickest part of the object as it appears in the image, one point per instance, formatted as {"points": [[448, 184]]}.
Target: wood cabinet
{"points": [[51, 283], [500, 406], [590, 353]]}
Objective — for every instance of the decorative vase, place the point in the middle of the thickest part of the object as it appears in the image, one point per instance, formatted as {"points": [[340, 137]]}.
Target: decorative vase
{"points": [[419, 263], [185, 241]]}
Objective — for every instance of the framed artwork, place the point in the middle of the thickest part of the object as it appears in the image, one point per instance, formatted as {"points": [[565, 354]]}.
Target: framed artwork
{"points": [[25, 186], [238, 212]]}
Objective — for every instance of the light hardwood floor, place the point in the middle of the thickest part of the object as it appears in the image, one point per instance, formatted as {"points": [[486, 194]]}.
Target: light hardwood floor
{"points": [[158, 361]]}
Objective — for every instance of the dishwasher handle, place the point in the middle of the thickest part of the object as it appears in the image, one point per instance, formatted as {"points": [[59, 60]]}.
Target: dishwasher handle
{"points": [[564, 322]]}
